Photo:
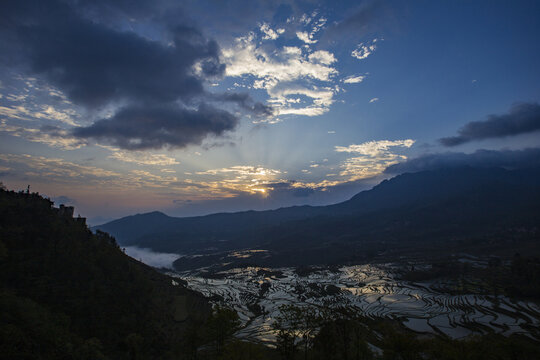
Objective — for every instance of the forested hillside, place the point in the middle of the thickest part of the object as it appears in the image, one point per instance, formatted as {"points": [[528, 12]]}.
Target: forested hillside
{"points": [[66, 293]]}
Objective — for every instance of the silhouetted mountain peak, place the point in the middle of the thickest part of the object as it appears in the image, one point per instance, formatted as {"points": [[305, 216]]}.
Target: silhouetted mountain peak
{"points": [[430, 184], [154, 214], [433, 189]]}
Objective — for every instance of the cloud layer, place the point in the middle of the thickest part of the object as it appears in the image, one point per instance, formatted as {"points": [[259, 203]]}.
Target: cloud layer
{"points": [[510, 159], [299, 77], [152, 258], [94, 64], [371, 158], [151, 86], [137, 128], [522, 118]]}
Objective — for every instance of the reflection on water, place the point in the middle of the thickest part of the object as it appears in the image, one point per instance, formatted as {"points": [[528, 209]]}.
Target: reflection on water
{"points": [[371, 290]]}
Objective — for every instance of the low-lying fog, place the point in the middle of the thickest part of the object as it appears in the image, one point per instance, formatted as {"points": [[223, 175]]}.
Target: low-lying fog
{"points": [[152, 258]]}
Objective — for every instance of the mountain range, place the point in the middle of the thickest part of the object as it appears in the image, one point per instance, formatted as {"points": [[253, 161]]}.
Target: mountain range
{"points": [[423, 211]]}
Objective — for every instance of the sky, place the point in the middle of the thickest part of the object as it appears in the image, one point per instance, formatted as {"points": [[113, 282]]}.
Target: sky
{"points": [[192, 107]]}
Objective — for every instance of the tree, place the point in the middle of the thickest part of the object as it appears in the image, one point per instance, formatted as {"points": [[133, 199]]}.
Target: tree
{"points": [[193, 339], [242, 350], [342, 338], [401, 346], [295, 323], [221, 325], [285, 340], [91, 349], [134, 344], [3, 251]]}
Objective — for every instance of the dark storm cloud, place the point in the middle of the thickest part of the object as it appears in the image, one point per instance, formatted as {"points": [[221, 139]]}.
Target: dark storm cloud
{"points": [[233, 16], [510, 159], [137, 128], [522, 118], [246, 103], [97, 65]]}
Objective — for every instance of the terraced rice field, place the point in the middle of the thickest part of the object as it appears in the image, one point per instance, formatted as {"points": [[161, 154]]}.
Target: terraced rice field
{"points": [[373, 291]]}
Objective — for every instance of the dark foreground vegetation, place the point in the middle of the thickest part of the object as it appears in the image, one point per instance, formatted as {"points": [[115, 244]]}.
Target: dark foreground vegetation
{"points": [[66, 293], [341, 334]]}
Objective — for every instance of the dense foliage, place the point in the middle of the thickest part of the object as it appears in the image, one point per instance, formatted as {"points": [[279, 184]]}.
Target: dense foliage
{"points": [[66, 293], [341, 334]]}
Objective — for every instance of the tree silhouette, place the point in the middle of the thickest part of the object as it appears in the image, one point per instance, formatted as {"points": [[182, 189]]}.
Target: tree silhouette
{"points": [[221, 325]]}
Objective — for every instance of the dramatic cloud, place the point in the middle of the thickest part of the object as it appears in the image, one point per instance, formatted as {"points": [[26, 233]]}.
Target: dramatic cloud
{"points": [[243, 178], [375, 148], [510, 159], [97, 64], [137, 128], [283, 194], [272, 185], [288, 64], [522, 118], [297, 80], [244, 171], [372, 158], [255, 109], [94, 64]]}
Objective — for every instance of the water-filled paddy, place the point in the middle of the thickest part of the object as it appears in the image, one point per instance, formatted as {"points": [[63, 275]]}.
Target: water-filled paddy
{"points": [[372, 290]]}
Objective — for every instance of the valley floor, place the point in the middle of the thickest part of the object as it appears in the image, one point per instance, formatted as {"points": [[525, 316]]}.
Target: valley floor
{"points": [[373, 291]]}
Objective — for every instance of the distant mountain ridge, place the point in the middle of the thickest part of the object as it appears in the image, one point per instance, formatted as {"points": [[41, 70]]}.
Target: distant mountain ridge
{"points": [[488, 195]]}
